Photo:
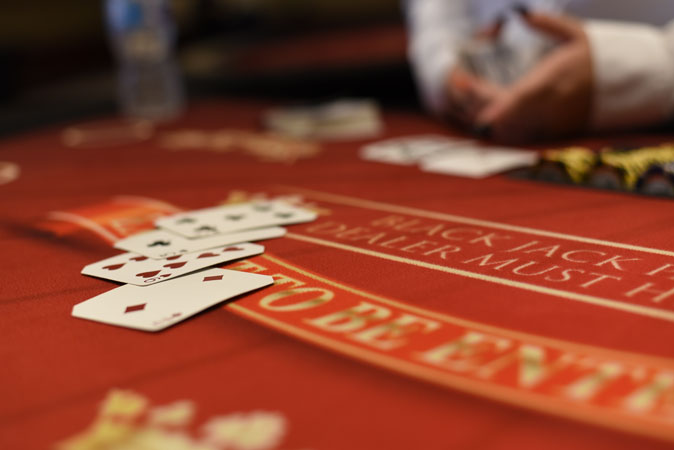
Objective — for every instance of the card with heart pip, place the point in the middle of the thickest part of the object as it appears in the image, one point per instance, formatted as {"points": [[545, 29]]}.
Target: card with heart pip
{"points": [[231, 218], [153, 308], [159, 244], [140, 270]]}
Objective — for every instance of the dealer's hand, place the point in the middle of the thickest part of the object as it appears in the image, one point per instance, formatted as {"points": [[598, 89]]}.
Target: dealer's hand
{"points": [[555, 98], [467, 94]]}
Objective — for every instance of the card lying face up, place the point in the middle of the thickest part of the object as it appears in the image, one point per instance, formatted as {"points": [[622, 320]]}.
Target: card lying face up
{"points": [[227, 219], [478, 162], [410, 149], [159, 244], [140, 270], [153, 308]]}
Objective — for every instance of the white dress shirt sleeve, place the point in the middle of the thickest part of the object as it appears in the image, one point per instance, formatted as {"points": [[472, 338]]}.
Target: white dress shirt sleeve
{"points": [[435, 30], [633, 74]]}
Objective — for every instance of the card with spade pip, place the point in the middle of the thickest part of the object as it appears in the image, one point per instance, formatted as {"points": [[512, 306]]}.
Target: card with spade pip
{"points": [[227, 219], [140, 270], [159, 244], [153, 308]]}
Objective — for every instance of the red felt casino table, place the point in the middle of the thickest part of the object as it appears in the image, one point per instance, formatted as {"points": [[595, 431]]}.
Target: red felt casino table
{"points": [[417, 311]]}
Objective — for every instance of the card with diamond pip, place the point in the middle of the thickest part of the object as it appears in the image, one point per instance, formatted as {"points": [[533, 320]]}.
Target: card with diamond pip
{"points": [[155, 307], [140, 270]]}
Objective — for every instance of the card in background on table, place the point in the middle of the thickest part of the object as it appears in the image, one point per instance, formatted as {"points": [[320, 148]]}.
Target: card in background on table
{"points": [[153, 308], [159, 244], [341, 119], [478, 162], [231, 218], [410, 149], [133, 268]]}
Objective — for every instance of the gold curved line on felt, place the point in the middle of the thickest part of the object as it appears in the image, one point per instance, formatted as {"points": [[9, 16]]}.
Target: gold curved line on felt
{"points": [[84, 222], [142, 201]]}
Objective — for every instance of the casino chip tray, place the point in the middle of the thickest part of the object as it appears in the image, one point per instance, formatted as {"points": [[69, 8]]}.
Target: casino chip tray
{"points": [[640, 170]]}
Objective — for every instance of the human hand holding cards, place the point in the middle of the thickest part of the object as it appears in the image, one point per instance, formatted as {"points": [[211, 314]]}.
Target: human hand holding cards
{"points": [[505, 51], [549, 94]]}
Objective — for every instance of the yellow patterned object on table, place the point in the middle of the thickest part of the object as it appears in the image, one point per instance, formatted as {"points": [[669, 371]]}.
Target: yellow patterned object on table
{"points": [[634, 163], [578, 161]]}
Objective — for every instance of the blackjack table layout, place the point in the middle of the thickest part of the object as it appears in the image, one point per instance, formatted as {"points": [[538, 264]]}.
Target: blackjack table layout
{"points": [[418, 311]]}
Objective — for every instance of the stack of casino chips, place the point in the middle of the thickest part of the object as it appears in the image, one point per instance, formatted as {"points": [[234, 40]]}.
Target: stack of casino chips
{"points": [[646, 170], [569, 165], [658, 180]]}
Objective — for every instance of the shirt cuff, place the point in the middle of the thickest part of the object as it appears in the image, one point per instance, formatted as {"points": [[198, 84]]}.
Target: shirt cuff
{"points": [[633, 75], [435, 89], [432, 65]]}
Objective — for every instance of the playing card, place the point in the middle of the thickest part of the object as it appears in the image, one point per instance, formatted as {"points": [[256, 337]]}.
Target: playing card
{"points": [[341, 119], [230, 218], [133, 268], [490, 60], [508, 57], [478, 162], [153, 308], [159, 244], [408, 150]]}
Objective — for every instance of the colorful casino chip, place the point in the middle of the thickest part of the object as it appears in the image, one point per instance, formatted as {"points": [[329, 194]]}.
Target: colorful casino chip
{"points": [[568, 164]]}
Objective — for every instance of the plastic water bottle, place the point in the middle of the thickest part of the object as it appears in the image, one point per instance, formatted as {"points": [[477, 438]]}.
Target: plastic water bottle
{"points": [[142, 33]]}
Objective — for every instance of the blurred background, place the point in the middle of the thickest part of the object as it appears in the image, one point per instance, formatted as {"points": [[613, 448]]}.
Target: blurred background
{"points": [[56, 63]]}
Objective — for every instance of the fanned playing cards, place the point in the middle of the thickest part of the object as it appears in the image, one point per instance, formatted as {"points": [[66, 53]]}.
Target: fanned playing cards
{"points": [[168, 272]]}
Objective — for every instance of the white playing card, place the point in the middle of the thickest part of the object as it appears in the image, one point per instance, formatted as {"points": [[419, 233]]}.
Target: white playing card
{"points": [[159, 244], [478, 162], [509, 57], [133, 268], [341, 119], [230, 218], [408, 150], [153, 308]]}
